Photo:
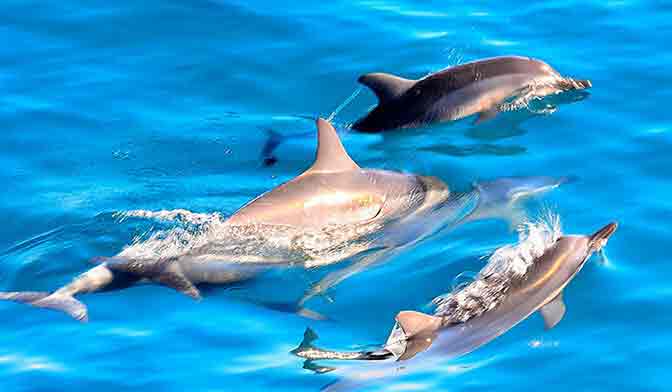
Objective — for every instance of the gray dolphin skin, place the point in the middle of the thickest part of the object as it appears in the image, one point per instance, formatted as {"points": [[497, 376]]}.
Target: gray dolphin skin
{"points": [[330, 212], [480, 87], [497, 300]]}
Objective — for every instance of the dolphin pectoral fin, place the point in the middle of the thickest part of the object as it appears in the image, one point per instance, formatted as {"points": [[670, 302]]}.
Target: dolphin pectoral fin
{"points": [[386, 86], [486, 115], [179, 282], [553, 311], [165, 272]]}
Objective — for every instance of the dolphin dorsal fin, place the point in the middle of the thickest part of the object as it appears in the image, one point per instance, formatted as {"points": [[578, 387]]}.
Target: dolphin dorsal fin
{"points": [[386, 86], [331, 156], [413, 323]]}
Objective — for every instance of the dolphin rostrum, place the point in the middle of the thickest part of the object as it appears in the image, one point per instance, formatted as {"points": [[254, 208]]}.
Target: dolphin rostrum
{"points": [[480, 87], [517, 281], [332, 211]]}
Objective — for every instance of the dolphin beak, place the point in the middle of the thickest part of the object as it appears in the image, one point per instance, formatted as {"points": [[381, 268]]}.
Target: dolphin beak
{"points": [[600, 238]]}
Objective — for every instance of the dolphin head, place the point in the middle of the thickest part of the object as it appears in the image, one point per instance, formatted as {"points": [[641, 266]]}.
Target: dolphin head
{"points": [[502, 198], [513, 189], [570, 253]]}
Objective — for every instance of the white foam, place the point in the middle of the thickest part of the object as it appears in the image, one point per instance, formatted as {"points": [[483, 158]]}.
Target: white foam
{"points": [[534, 237], [175, 241], [505, 264], [179, 215]]}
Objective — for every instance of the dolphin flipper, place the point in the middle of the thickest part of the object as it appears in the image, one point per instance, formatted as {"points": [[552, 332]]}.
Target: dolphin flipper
{"points": [[553, 311], [56, 301]]}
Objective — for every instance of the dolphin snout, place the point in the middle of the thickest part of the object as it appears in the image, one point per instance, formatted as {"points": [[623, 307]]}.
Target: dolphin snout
{"points": [[599, 239]]}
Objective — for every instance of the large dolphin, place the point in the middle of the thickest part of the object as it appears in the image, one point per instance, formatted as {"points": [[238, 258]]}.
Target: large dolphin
{"points": [[480, 87], [332, 211], [517, 282]]}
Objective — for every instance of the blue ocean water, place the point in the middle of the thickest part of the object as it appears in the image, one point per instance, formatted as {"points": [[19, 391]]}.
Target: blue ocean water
{"points": [[110, 107]]}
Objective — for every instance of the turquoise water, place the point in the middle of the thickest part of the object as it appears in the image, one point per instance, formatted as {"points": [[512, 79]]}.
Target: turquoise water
{"points": [[110, 107]]}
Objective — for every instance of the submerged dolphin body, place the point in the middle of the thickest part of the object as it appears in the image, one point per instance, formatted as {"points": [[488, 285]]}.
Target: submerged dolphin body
{"points": [[481, 87], [332, 211], [504, 293], [502, 199]]}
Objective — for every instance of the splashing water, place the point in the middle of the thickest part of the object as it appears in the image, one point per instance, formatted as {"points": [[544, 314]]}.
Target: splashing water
{"points": [[195, 229], [198, 234], [344, 104], [506, 264]]}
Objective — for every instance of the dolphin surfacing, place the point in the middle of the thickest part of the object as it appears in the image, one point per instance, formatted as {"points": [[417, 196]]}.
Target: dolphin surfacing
{"points": [[503, 294], [330, 212], [479, 87]]}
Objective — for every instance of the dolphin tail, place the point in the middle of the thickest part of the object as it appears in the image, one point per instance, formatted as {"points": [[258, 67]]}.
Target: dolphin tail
{"points": [[55, 301], [112, 273], [309, 336]]}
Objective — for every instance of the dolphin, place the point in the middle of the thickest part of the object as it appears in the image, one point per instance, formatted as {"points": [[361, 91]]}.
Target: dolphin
{"points": [[480, 87], [500, 199], [332, 211], [517, 282]]}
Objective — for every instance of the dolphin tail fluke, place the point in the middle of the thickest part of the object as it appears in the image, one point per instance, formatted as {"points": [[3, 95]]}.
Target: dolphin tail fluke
{"points": [[56, 301], [306, 345], [309, 336]]}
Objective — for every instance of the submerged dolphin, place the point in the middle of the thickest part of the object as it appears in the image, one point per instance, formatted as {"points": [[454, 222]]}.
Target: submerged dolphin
{"points": [[517, 282], [502, 199], [332, 211], [481, 87]]}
